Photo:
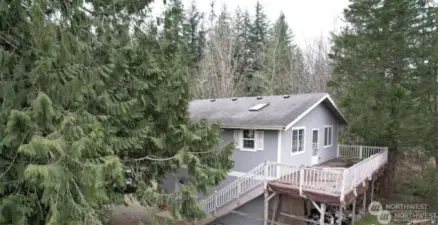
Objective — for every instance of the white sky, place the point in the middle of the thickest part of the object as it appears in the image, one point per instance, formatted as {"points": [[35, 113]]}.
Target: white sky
{"points": [[308, 19]]}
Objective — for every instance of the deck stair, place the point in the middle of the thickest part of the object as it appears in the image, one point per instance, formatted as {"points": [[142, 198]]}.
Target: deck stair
{"points": [[323, 180]]}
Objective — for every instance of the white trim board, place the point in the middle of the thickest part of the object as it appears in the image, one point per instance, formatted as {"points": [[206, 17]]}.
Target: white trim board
{"points": [[306, 112], [279, 151], [292, 140], [336, 107], [331, 137], [254, 127]]}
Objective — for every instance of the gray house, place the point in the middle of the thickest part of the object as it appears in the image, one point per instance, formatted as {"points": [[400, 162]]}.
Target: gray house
{"points": [[291, 129]]}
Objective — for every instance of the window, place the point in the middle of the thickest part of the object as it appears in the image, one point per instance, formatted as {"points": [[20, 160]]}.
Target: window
{"points": [[315, 142], [328, 136], [248, 139], [297, 140]]}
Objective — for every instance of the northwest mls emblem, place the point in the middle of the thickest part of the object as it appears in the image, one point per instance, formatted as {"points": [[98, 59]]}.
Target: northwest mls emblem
{"points": [[384, 217], [375, 208]]}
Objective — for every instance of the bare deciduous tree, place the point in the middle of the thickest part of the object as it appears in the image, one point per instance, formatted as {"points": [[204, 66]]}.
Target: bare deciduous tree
{"points": [[218, 74], [318, 68]]}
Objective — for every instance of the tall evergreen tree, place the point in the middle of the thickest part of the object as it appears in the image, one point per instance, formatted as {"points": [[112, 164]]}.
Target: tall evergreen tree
{"points": [[373, 72], [243, 56], [83, 86], [194, 33], [277, 75], [258, 41], [260, 26]]}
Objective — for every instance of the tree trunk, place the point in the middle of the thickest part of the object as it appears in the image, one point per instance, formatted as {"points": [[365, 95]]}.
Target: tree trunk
{"points": [[387, 179]]}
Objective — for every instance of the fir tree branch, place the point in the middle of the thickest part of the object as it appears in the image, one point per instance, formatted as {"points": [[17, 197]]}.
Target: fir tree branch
{"points": [[79, 191], [15, 157], [159, 159], [8, 42], [149, 158]]}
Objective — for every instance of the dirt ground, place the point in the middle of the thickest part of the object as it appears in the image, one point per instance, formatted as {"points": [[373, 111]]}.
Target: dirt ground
{"points": [[131, 215]]}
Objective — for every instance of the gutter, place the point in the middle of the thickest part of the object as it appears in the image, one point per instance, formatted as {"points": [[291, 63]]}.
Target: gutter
{"points": [[253, 127]]}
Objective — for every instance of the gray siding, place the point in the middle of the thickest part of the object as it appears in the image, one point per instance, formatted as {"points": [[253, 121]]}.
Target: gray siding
{"points": [[170, 180], [244, 161], [317, 118], [253, 208]]}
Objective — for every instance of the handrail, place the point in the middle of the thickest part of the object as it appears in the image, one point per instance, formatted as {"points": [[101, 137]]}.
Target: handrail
{"points": [[359, 151], [236, 188], [244, 184], [325, 180], [362, 170]]}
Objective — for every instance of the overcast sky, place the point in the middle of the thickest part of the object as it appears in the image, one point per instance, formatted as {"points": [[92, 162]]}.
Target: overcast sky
{"points": [[309, 19]]}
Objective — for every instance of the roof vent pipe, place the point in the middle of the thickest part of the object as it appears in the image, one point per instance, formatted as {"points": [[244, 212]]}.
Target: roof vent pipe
{"points": [[286, 96], [259, 97], [233, 99], [212, 100]]}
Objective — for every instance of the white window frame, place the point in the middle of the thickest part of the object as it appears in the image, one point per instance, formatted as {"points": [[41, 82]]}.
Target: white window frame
{"points": [[258, 140], [292, 140], [331, 136], [243, 138], [317, 141]]}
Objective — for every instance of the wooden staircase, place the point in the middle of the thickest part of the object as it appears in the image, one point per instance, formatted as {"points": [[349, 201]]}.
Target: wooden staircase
{"points": [[241, 191], [233, 204]]}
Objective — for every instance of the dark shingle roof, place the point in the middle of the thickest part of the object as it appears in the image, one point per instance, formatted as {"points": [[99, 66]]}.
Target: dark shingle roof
{"points": [[278, 114]]}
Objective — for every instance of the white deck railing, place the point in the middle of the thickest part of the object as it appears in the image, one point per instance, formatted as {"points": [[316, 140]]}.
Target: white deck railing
{"points": [[251, 180], [324, 180], [363, 170], [243, 184], [358, 151]]}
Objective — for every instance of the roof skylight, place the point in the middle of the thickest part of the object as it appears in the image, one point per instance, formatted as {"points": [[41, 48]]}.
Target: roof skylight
{"points": [[259, 106]]}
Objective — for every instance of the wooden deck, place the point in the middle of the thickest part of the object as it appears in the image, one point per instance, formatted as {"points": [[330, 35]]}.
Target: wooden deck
{"points": [[339, 163], [336, 181]]}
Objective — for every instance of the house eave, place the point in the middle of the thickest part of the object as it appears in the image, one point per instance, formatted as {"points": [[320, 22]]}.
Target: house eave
{"points": [[252, 127]]}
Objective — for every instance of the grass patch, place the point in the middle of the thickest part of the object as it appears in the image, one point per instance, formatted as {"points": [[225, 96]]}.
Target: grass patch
{"points": [[369, 220]]}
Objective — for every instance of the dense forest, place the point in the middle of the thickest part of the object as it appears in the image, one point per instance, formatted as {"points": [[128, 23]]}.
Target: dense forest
{"points": [[242, 53], [90, 88]]}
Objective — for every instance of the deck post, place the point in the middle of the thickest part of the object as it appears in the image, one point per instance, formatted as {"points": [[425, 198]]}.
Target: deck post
{"points": [[266, 208], [354, 212], [301, 180], [341, 215], [360, 151], [274, 207], [344, 177], [239, 189], [372, 189], [215, 202], [364, 202], [322, 213]]}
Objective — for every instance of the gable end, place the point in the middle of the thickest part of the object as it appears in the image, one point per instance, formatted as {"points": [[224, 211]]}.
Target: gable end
{"points": [[329, 103]]}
